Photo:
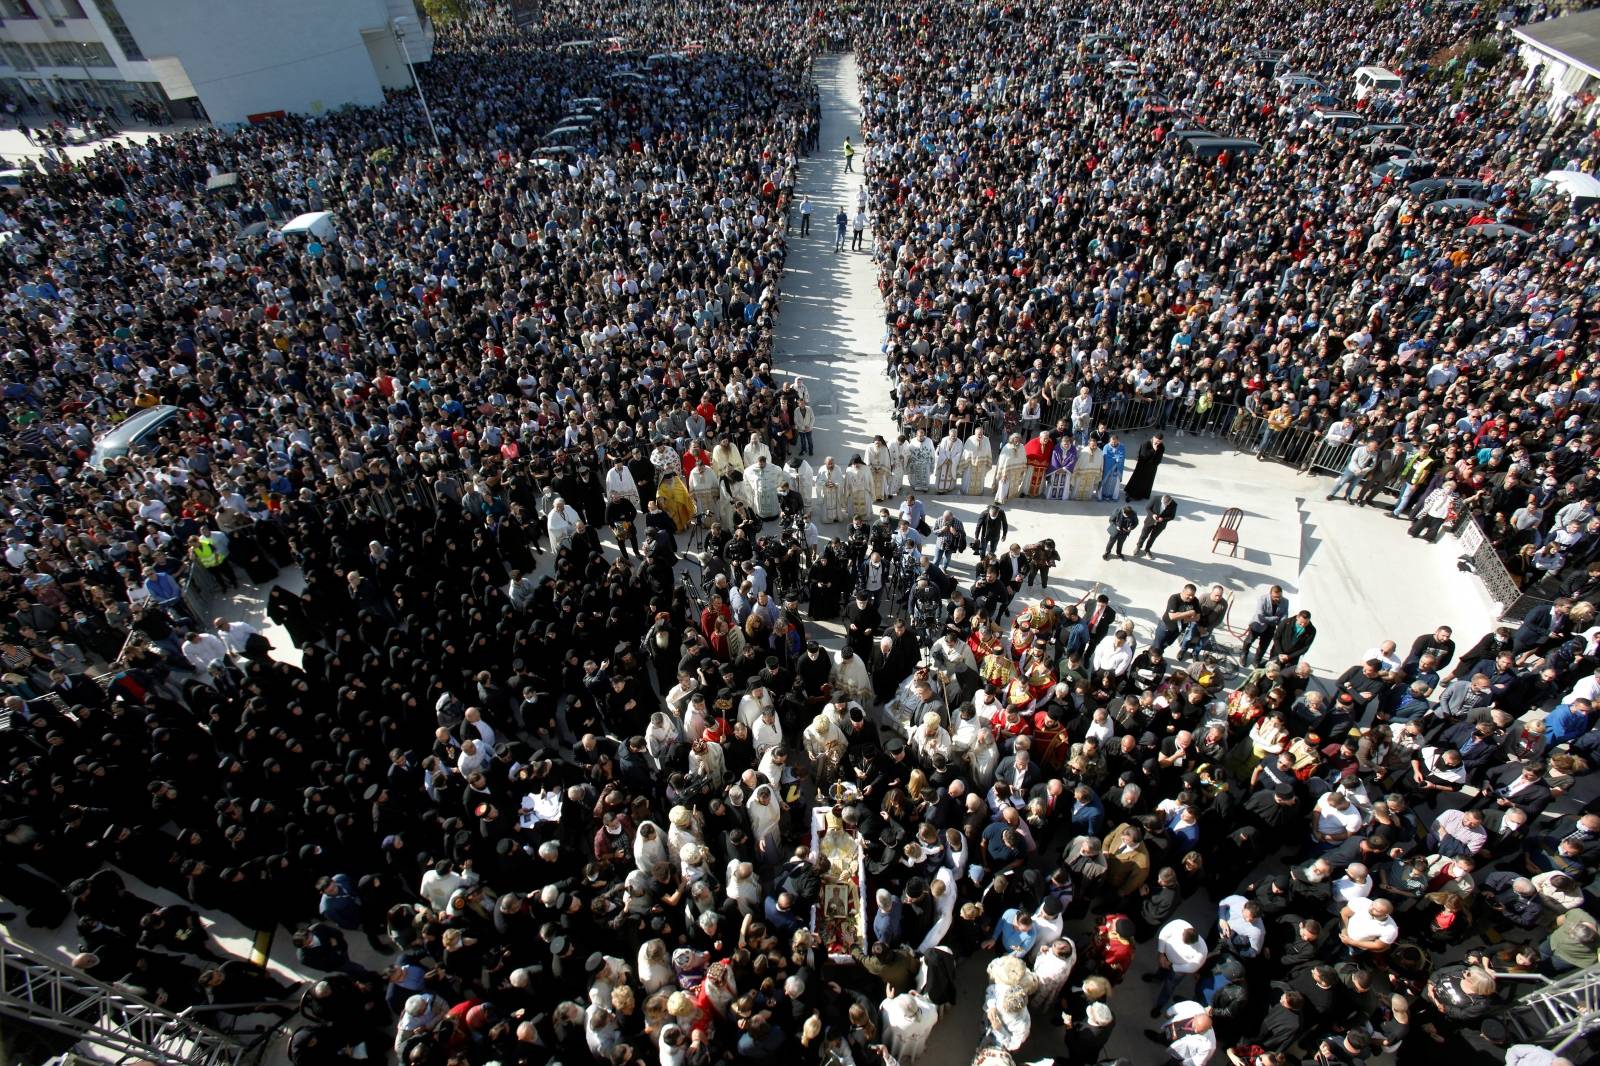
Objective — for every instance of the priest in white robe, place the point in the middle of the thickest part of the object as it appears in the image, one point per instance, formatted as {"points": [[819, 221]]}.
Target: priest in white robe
{"points": [[1011, 470], [850, 676], [620, 485], [979, 458], [947, 460], [1053, 967], [800, 476], [766, 815], [756, 449], [761, 481], [906, 1022], [828, 490], [858, 490]]}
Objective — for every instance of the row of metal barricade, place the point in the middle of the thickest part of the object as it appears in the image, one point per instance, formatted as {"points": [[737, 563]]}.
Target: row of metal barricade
{"points": [[1309, 451]]}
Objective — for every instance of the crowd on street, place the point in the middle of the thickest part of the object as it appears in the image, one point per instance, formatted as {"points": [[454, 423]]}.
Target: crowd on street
{"points": [[561, 741]]}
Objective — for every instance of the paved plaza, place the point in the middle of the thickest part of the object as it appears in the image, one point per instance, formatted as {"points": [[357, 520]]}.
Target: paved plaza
{"points": [[1354, 569]]}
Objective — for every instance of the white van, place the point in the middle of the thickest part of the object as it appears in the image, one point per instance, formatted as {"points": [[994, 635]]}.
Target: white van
{"points": [[1583, 189], [1371, 80], [313, 225]]}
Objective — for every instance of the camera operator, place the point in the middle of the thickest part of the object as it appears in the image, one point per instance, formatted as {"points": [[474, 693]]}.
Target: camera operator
{"points": [[942, 579], [872, 576], [948, 539], [907, 539], [790, 568], [927, 604], [883, 531], [791, 505], [857, 542]]}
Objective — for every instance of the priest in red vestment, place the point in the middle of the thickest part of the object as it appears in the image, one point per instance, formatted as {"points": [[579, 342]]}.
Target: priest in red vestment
{"points": [[1038, 452]]}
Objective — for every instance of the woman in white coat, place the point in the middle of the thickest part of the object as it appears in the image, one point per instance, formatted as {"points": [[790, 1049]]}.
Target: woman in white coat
{"points": [[766, 817], [1006, 1019], [983, 758], [694, 864], [1052, 968], [655, 967], [906, 1021], [942, 890], [649, 847], [684, 829], [561, 524]]}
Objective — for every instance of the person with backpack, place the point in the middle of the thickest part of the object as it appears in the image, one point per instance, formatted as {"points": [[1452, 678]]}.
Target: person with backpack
{"points": [[1041, 557], [950, 539], [992, 529]]}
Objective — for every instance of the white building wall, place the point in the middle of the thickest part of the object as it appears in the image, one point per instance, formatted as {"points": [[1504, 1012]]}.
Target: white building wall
{"points": [[1556, 79], [247, 57]]}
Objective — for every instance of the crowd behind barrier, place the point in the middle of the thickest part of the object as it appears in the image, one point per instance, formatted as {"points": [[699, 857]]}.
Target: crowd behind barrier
{"points": [[581, 807]]}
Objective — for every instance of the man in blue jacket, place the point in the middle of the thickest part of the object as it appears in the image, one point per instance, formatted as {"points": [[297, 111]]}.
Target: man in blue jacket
{"points": [[340, 902], [1568, 722]]}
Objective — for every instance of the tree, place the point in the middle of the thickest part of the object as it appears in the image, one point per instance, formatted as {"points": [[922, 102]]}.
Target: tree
{"points": [[444, 12]]}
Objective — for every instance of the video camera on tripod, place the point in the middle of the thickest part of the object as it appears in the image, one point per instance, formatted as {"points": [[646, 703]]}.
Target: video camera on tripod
{"points": [[927, 609], [696, 596], [904, 568]]}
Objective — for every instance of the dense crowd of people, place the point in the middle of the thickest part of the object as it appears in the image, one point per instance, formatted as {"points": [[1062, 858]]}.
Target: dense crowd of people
{"points": [[614, 806], [1058, 266]]}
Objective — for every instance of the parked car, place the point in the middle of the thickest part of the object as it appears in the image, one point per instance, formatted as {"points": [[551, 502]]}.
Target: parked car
{"points": [[1296, 81], [1429, 189], [1402, 170], [1339, 122], [1264, 61], [136, 434], [1207, 150], [1371, 80], [1382, 131], [1381, 151], [566, 135], [1194, 134], [1498, 231], [1459, 206], [1582, 189]]}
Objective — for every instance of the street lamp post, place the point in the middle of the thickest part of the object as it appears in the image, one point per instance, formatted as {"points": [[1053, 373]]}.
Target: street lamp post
{"points": [[399, 28]]}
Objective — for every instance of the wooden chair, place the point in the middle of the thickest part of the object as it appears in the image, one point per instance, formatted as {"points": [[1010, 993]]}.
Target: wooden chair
{"points": [[1228, 531]]}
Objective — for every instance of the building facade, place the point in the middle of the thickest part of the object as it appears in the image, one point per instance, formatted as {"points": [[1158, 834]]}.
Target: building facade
{"points": [[236, 59], [1562, 56]]}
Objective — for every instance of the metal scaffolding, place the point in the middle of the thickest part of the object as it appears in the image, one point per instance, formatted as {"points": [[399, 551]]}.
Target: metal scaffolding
{"points": [[1559, 1013], [54, 996]]}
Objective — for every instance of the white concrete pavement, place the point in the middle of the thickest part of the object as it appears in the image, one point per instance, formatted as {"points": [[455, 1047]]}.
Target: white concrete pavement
{"points": [[1362, 579], [830, 326], [1353, 568], [16, 148]]}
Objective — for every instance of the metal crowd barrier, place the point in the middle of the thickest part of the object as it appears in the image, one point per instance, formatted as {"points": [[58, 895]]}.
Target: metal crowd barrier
{"points": [[1501, 585]]}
